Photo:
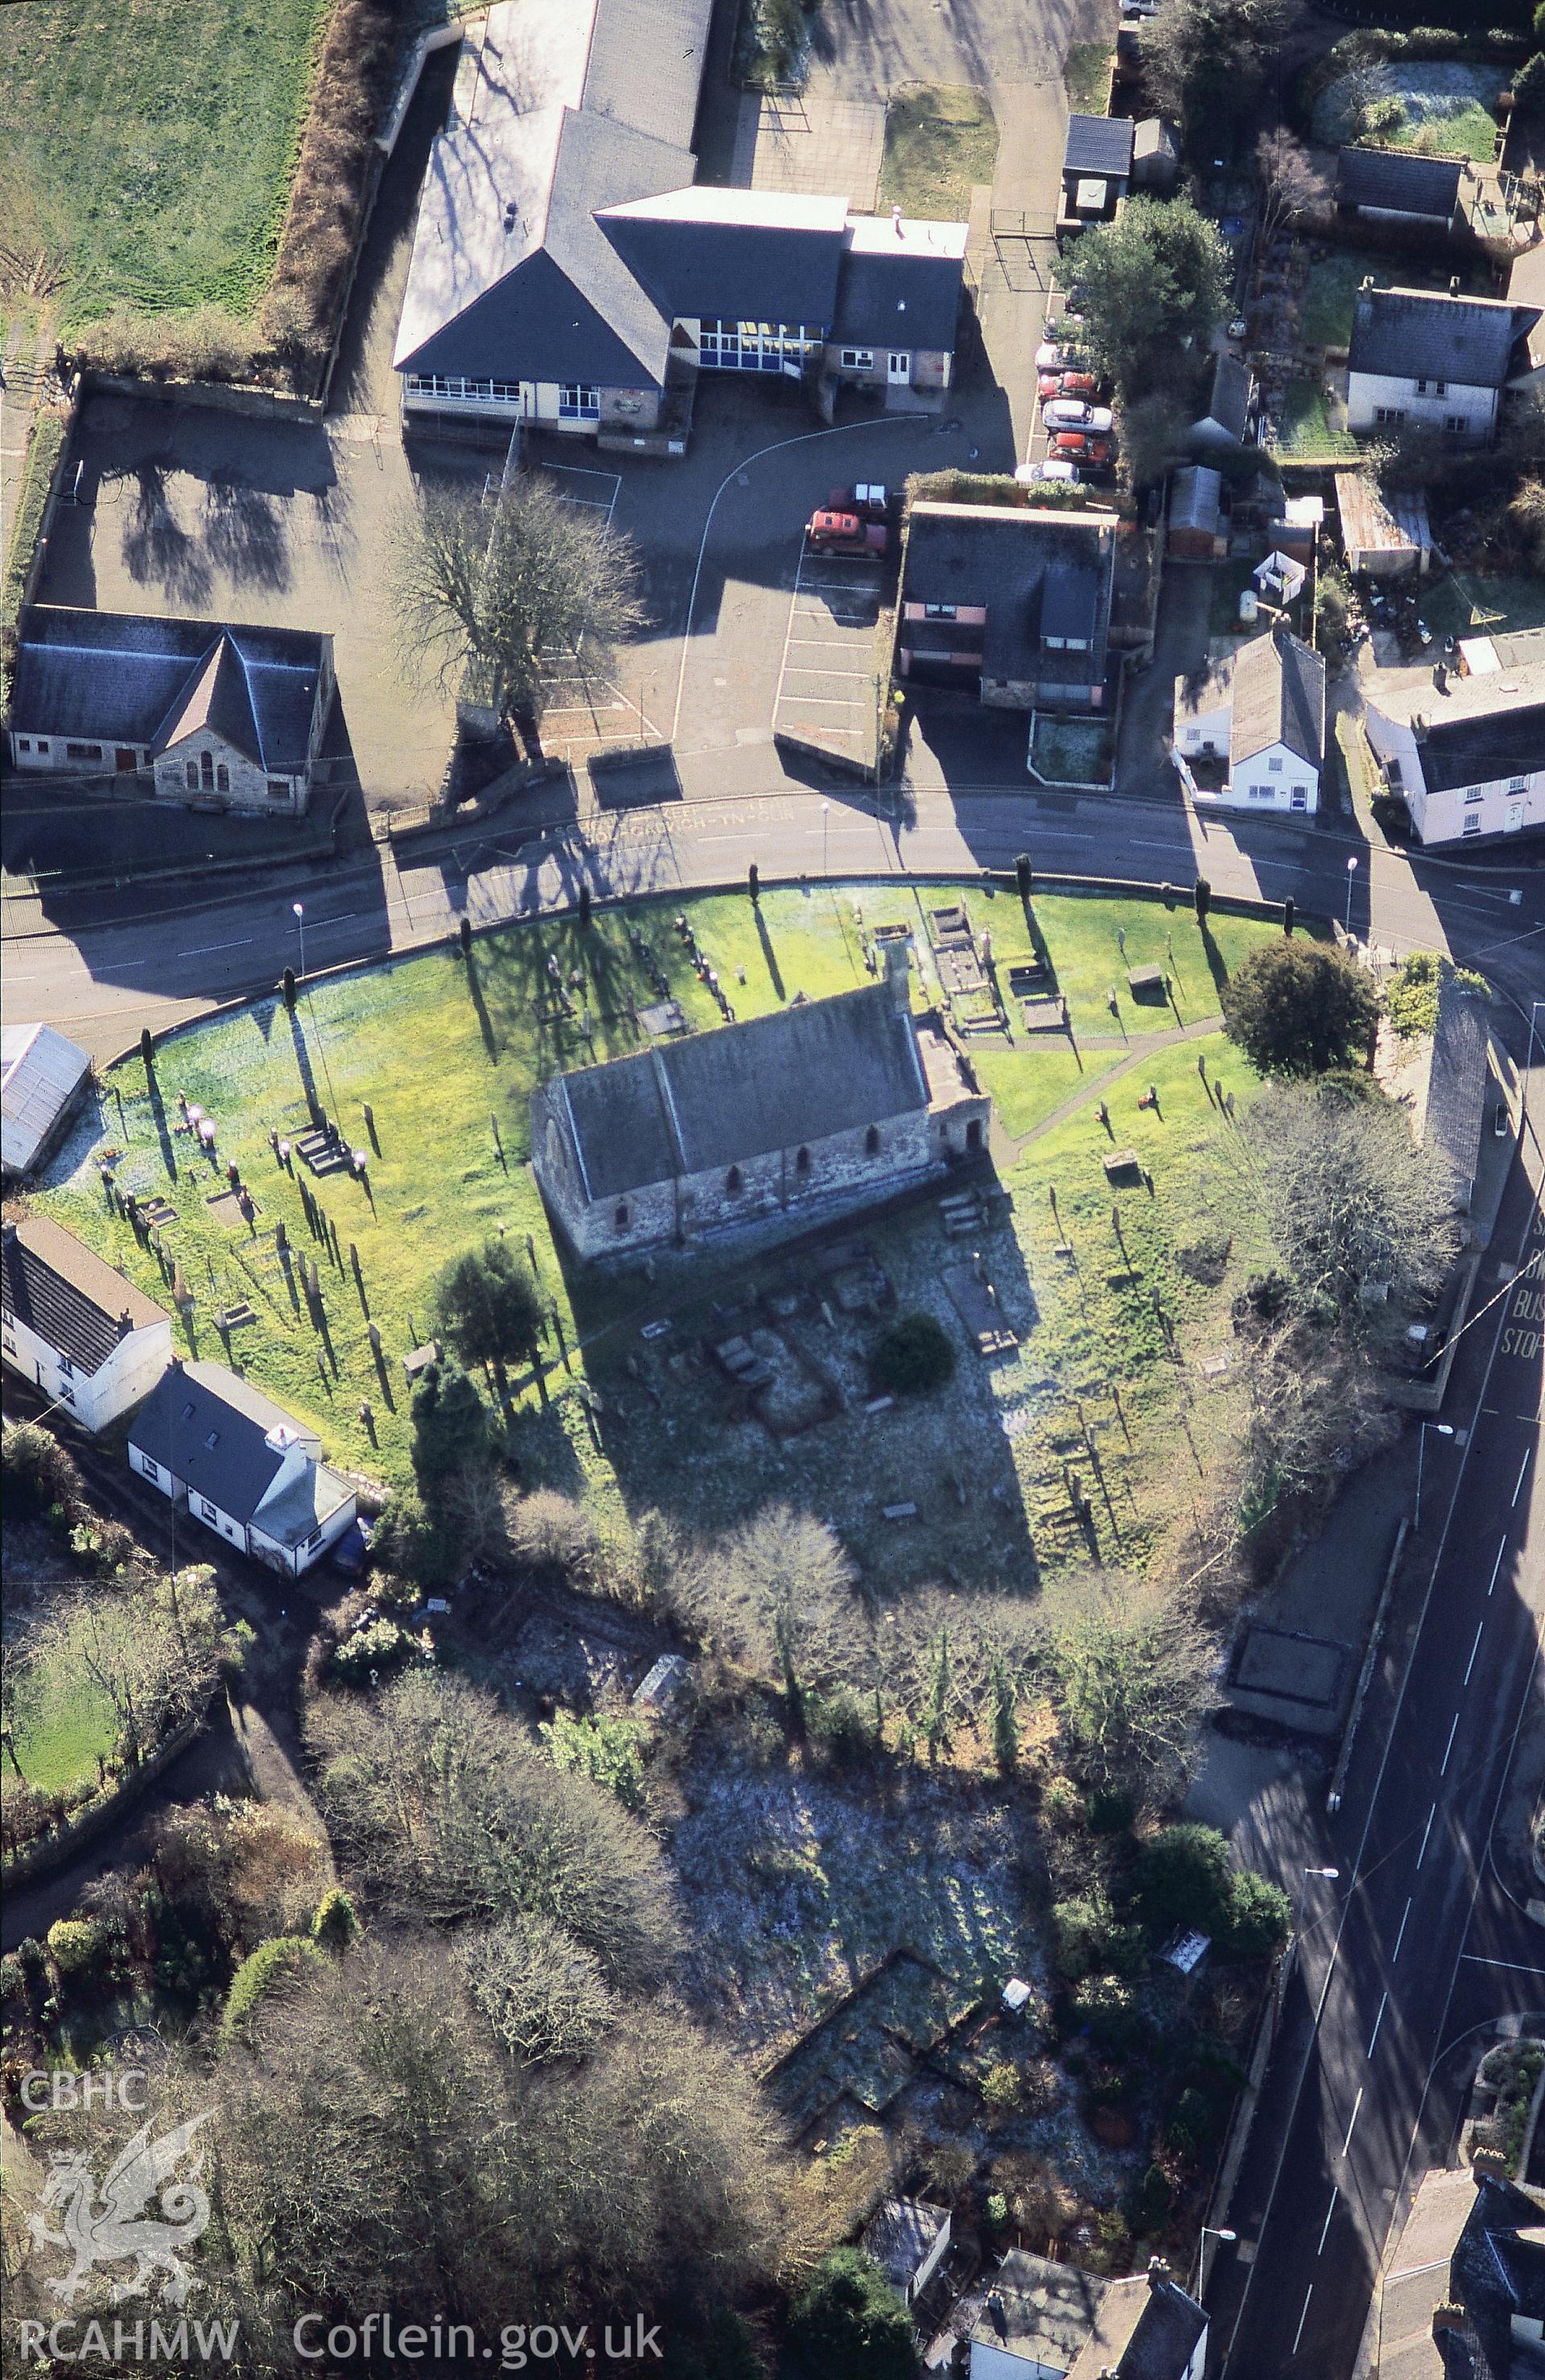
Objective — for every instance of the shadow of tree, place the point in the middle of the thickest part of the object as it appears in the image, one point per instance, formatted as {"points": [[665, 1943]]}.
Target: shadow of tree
{"points": [[245, 534], [157, 547]]}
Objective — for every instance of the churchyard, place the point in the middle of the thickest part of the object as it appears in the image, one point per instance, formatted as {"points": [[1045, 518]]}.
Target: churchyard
{"points": [[1113, 1293]]}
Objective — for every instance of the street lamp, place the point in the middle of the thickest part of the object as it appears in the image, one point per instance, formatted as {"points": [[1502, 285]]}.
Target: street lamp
{"points": [[299, 908], [1209, 2232], [1351, 871], [1445, 1429], [1330, 1875]]}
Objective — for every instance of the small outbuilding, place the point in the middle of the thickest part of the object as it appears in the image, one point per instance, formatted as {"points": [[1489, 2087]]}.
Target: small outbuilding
{"points": [[43, 1077], [1096, 169], [1155, 157], [1384, 536], [1228, 412], [908, 2238], [1393, 187], [1197, 532]]}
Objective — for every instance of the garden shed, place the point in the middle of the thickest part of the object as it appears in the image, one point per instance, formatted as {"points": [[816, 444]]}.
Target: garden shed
{"points": [[1385, 535], [1196, 524]]}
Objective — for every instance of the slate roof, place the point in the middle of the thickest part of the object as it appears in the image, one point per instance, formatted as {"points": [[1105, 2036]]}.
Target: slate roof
{"points": [[751, 255], [1070, 601], [1098, 144], [900, 2236], [1279, 697], [1399, 183], [1196, 500], [1498, 2272], [900, 284], [1480, 730], [39, 1072], [1425, 335], [1228, 396], [1165, 2339], [716, 1098], [74, 1301], [1002, 556], [559, 230], [120, 678], [194, 1403]]}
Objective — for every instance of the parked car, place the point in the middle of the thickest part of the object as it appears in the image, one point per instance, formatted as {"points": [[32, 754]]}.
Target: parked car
{"points": [[1077, 446], [1066, 383], [869, 500], [1074, 413], [1029, 475], [1052, 357], [846, 536]]}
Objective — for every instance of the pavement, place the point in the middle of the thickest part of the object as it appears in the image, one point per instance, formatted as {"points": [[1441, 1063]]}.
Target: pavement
{"points": [[1413, 1951]]}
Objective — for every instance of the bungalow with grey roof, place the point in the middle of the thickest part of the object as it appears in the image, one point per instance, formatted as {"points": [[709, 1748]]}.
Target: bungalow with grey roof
{"points": [[220, 1450], [213, 716], [568, 270]]}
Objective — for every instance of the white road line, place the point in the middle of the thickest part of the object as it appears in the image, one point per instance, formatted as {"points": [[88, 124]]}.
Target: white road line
{"points": [[1449, 1745], [1522, 1469], [1302, 2319], [1496, 1566], [1401, 1935], [205, 948], [1373, 2038], [1426, 1832], [1513, 1966], [1352, 2126], [1326, 2228], [1475, 1649]]}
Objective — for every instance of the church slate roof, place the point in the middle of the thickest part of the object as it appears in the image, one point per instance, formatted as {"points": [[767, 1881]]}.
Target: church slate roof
{"points": [[716, 1098]]}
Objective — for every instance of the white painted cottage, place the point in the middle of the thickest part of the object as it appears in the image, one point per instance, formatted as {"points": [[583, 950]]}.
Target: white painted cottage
{"points": [[1250, 730], [238, 1463], [74, 1327], [1465, 755], [1434, 360]]}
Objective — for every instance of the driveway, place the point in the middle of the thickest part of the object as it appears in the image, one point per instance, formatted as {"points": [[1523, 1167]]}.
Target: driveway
{"points": [[1144, 765]]}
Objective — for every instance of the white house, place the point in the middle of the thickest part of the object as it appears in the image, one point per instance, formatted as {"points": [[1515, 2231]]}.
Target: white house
{"points": [[1433, 360], [1042, 2321], [242, 1465], [908, 2238], [73, 1327], [1251, 731], [1466, 755], [210, 717]]}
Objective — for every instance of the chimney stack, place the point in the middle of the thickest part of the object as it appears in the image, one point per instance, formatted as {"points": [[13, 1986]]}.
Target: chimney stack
{"points": [[1448, 2321], [125, 1324], [1453, 285]]}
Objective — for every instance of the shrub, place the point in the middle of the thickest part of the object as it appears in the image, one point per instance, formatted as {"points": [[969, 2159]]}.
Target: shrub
{"points": [[1063, 1803], [335, 1925], [1182, 1878], [1001, 2087], [1106, 2006], [1433, 42], [36, 1472], [375, 1650], [415, 1542], [272, 1967], [1528, 88], [78, 1944], [914, 1356], [549, 1531], [605, 1748], [13, 1978], [1089, 1937], [1152, 2199], [841, 1726], [1300, 1008], [1260, 1916], [849, 2324]]}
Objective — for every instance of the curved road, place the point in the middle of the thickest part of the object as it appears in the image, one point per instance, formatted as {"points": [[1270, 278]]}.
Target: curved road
{"points": [[102, 966]]}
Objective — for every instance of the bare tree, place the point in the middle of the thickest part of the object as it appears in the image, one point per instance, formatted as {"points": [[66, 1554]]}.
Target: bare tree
{"points": [[1129, 1671], [1360, 1212], [494, 594], [543, 1996], [445, 1810], [1291, 183]]}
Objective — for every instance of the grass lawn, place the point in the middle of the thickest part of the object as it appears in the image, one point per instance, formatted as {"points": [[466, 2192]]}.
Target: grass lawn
{"points": [[1334, 280], [1073, 751], [1229, 580], [61, 1734], [1446, 110], [448, 1063], [1478, 602], [1086, 78], [939, 142], [149, 149], [1306, 433]]}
